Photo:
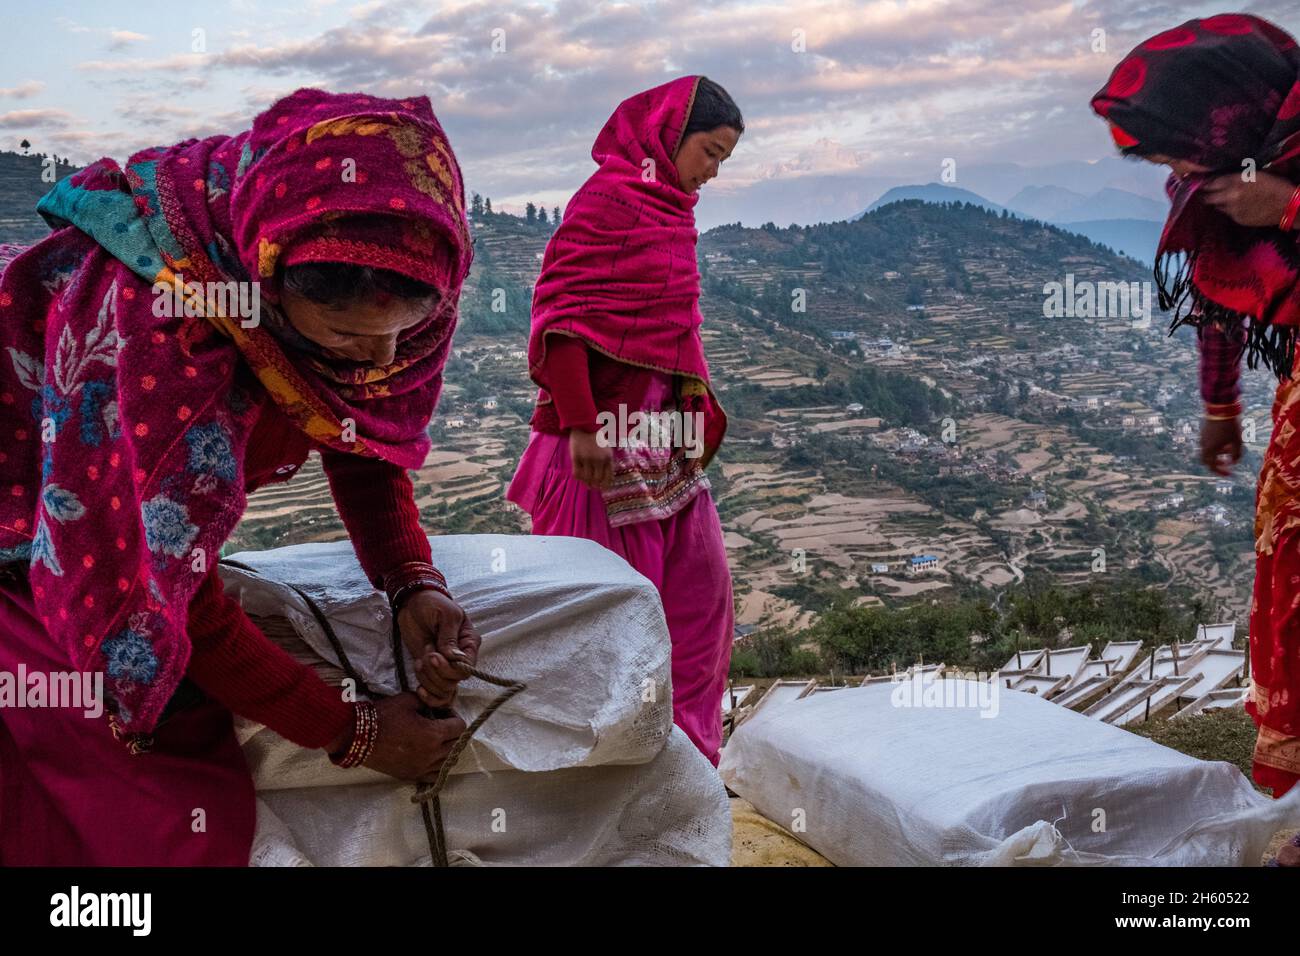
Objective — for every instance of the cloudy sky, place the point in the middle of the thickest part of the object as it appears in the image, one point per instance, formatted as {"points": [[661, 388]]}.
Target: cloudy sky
{"points": [[882, 88]]}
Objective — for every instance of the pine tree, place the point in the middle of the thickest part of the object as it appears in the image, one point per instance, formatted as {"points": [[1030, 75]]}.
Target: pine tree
{"points": [[476, 205], [487, 205], [541, 214], [555, 215], [530, 212]]}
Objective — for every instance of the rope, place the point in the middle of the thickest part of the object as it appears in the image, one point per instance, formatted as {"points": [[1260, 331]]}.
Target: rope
{"points": [[427, 795]]}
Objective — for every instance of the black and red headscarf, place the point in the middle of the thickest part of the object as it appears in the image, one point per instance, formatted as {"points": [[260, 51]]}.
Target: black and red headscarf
{"points": [[1218, 92]]}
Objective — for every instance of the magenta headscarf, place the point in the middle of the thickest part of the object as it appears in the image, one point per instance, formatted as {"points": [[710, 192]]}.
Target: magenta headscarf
{"points": [[620, 273], [124, 429]]}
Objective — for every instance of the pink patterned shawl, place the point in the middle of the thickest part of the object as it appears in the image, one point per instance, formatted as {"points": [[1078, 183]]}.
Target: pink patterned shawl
{"points": [[124, 428]]}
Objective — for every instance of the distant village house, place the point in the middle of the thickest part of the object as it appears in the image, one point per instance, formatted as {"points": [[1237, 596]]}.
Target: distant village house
{"points": [[922, 563]]}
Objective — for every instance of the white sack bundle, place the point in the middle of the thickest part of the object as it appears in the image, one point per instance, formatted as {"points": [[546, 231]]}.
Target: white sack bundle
{"points": [[873, 777], [583, 767], [571, 619], [671, 811]]}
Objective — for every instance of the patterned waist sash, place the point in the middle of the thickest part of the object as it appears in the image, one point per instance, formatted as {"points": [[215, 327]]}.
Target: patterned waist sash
{"points": [[651, 483]]}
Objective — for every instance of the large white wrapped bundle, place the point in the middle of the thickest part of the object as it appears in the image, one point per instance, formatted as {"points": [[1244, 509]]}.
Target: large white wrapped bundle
{"points": [[670, 811], [571, 619], [582, 767], [866, 777]]}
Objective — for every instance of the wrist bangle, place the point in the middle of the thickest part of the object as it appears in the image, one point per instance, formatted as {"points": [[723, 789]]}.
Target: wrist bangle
{"points": [[409, 569], [1292, 210], [411, 576], [363, 737], [398, 597]]}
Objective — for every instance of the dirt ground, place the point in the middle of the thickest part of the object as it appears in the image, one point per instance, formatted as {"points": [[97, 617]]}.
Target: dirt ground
{"points": [[757, 841]]}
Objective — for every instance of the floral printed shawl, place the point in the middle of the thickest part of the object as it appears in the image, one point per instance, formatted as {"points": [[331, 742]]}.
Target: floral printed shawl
{"points": [[123, 421]]}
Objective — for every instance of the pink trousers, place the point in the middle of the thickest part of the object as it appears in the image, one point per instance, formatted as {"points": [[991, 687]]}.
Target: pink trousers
{"points": [[683, 555], [72, 795]]}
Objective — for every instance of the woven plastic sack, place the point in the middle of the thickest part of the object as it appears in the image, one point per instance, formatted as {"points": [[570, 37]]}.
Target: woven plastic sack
{"points": [[873, 777], [583, 767], [571, 619], [671, 811]]}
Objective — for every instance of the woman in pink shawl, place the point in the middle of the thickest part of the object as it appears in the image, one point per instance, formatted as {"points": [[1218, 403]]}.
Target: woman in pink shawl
{"points": [[201, 319], [626, 419]]}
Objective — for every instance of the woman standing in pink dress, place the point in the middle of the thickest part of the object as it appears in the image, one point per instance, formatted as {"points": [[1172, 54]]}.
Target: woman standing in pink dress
{"points": [[626, 420]]}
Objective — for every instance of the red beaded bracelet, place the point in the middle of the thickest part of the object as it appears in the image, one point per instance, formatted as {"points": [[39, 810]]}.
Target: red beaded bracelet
{"points": [[408, 566], [408, 571], [410, 577], [400, 596], [363, 737], [1292, 210]]}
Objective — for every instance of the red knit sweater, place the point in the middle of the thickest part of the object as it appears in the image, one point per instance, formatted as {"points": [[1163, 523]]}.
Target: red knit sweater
{"points": [[1221, 364], [585, 383], [232, 661], [566, 366]]}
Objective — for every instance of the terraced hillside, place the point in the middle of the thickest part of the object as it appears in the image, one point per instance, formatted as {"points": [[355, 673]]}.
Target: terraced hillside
{"points": [[865, 433], [23, 181], [896, 393]]}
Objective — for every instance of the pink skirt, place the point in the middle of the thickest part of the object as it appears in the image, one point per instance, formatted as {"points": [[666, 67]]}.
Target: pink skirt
{"points": [[683, 556], [72, 795]]}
